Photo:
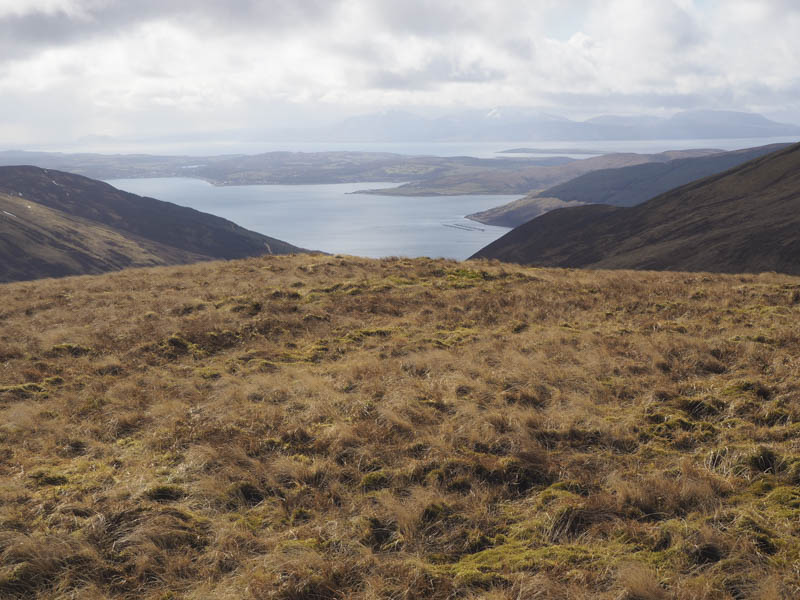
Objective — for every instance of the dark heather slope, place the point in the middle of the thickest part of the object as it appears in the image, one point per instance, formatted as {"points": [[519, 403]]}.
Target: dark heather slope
{"points": [[37, 241], [630, 186], [163, 222], [625, 186], [69, 224], [744, 220]]}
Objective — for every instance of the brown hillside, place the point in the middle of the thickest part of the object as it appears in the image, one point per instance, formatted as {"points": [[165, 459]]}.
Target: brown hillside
{"points": [[37, 241], [744, 220], [318, 427], [522, 179], [57, 224], [623, 186]]}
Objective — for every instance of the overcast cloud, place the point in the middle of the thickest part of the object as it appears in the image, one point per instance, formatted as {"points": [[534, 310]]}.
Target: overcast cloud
{"points": [[75, 68]]}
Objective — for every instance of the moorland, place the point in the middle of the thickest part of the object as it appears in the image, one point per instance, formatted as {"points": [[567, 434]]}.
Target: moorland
{"points": [[317, 427]]}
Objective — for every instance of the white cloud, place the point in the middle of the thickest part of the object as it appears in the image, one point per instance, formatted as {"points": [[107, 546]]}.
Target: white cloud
{"points": [[50, 7], [118, 67]]}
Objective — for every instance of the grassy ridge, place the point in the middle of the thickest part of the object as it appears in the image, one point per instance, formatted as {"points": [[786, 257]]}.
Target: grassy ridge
{"points": [[327, 427]]}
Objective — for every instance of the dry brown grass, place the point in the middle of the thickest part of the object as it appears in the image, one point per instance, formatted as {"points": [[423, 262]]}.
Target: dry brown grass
{"points": [[317, 427]]}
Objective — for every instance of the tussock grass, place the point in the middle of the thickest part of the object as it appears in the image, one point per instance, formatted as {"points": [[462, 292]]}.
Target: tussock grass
{"points": [[318, 427]]}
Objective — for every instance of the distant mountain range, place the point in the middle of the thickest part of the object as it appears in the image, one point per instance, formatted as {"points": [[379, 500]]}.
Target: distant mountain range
{"points": [[625, 186], [54, 224], [746, 219], [514, 124]]}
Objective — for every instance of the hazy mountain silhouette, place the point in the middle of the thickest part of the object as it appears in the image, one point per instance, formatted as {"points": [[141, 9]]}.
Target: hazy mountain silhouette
{"points": [[514, 124]]}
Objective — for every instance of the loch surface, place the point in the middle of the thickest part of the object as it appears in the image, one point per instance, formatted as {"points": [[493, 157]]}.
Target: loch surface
{"points": [[332, 219]]}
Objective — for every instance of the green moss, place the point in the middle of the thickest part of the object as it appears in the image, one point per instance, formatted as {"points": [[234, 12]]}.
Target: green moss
{"points": [[454, 337], [310, 354], [254, 520], [762, 486], [573, 487], [473, 578], [23, 390], [748, 388], [487, 566], [165, 493], [468, 274], [765, 460], [265, 366], [436, 511], [762, 536], [773, 417], [707, 432], [359, 334], [510, 557], [670, 425], [793, 472], [401, 281], [175, 345], [300, 515], [43, 478], [375, 480], [785, 496], [74, 350], [208, 373]]}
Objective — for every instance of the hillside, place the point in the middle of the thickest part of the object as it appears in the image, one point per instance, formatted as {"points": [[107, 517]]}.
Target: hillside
{"points": [[54, 224], [321, 427], [744, 220], [625, 186], [37, 241]]}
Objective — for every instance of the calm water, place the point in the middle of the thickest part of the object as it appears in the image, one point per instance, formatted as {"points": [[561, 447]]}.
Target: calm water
{"points": [[326, 217], [329, 218]]}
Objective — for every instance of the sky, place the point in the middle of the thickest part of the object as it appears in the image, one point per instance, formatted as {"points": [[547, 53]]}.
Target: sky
{"points": [[73, 70]]}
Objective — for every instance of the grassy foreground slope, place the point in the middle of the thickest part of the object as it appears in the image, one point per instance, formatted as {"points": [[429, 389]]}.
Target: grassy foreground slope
{"points": [[746, 219], [319, 427]]}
